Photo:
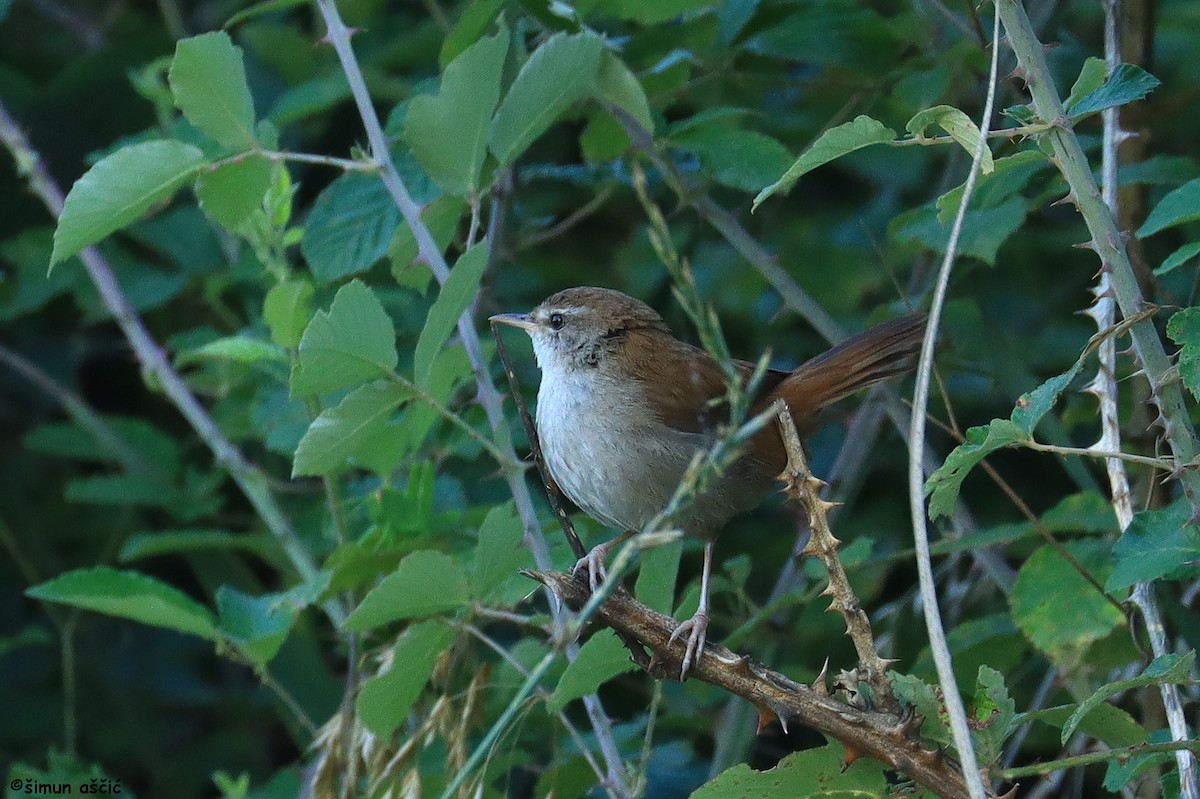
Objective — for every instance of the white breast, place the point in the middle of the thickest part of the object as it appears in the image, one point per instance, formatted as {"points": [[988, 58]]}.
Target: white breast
{"points": [[599, 448]]}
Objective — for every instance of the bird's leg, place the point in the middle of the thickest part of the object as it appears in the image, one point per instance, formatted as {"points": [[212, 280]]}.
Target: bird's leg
{"points": [[696, 628], [593, 561]]}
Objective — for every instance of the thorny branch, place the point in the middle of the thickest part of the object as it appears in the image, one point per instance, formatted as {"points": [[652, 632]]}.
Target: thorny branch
{"points": [[887, 737], [801, 485], [888, 734]]}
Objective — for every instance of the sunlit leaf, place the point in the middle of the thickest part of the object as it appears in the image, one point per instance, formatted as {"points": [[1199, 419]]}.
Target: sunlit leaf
{"points": [[353, 341], [209, 82], [599, 660], [334, 438], [557, 74], [119, 189], [129, 595], [862, 131], [448, 132], [425, 583]]}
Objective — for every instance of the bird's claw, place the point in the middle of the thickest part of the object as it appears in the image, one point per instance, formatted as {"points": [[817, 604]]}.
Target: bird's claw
{"points": [[593, 564], [696, 630]]}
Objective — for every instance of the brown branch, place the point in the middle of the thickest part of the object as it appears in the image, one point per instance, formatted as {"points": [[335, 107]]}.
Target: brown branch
{"points": [[887, 737], [801, 485]]}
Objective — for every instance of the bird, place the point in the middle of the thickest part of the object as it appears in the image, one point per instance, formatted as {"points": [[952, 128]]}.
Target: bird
{"points": [[623, 406]]}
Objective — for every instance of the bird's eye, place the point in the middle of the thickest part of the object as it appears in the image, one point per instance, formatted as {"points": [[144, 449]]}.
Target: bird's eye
{"points": [[556, 321]]}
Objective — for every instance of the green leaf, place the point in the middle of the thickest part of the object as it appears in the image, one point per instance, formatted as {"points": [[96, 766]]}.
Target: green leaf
{"points": [[1107, 723], [994, 713], [349, 227], [441, 217], [1010, 175], [1175, 208], [500, 552], [425, 583], [1126, 84], [658, 570], [810, 774], [1157, 543], [651, 13], [1184, 330], [925, 700], [209, 82], [353, 341], [448, 132], [452, 301], [556, 75], [960, 127], [473, 22], [943, 485], [1163, 669], [238, 349], [129, 595], [334, 438], [232, 192], [119, 189], [599, 660], [1120, 774], [984, 230], [1059, 611], [862, 131], [258, 626], [386, 698], [171, 542], [1091, 77], [616, 85], [740, 159], [123, 490], [287, 309], [1178, 258]]}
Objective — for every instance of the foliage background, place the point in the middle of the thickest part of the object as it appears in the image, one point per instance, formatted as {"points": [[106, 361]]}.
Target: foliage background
{"points": [[736, 90]]}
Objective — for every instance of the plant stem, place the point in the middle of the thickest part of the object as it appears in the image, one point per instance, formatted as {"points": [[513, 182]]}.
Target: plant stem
{"points": [[154, 360], [338, 35], [916, 436], [1097, 757], [1107, 241], [1118, 283]]}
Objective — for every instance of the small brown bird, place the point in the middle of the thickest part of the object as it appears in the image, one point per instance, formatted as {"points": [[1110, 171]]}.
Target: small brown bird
{"points": [[623, 407]]}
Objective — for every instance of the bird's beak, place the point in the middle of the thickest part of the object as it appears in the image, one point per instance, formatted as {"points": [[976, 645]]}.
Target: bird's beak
{"points": [[521, 320]]}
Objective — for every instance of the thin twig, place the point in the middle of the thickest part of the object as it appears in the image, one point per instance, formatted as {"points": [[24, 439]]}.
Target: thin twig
{"points": [[553, 492], [800, 484], [1104, 387], [541, 693], [937, 636], [338, 35], [248, 478], [1163, 464], [883, 736], [565, 225], [1122, 753]]}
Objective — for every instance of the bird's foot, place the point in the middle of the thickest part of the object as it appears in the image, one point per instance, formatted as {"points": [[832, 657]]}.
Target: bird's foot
{"points": [[593, 564], [696, 630], [593, 561]]}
